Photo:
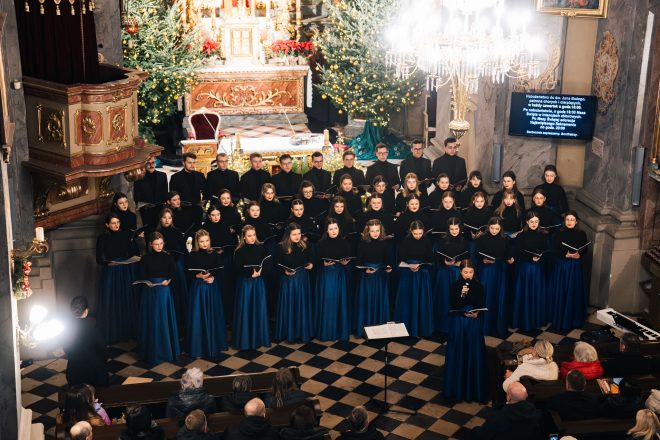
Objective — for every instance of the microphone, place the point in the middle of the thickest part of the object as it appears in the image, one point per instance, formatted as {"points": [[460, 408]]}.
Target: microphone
{"points": [[465, 285]]}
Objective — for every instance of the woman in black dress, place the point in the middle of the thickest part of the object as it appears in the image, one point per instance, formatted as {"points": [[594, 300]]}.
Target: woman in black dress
{"points": [[508, 184], [474, 185], [350, 194], [555, 195], [127, 218], [410, 186], [229, 212], [187, 217], [475, 221], [175, 245], [379, 185], [441, 186]]}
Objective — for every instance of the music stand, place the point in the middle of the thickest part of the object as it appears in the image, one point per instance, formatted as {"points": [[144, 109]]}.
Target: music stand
{"points": [[387, 332]]}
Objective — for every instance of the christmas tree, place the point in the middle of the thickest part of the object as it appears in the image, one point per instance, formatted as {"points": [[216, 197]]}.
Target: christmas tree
{"points": [[355, 76], [158, 44]]}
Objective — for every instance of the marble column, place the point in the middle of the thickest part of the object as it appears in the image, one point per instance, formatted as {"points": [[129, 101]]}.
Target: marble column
{"points": [[108, 31]]}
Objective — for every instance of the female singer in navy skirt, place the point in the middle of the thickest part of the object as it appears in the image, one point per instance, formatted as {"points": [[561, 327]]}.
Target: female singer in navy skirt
{"points": [[331, 305], [158, 337], [117, 308], [251, 307], [294, 305], [475, 221], [493, 251], [205, 335], [569, 301], [414, 297], [372, 302], [451, 250], [530, 303], [465, 374], [175, 245]]}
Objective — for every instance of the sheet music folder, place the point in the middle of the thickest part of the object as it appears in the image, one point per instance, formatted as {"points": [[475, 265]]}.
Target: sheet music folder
{"points": [[390, 330]]}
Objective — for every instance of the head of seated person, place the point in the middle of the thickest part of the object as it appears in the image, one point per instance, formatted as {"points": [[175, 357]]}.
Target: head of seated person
{"points": [[196, 421], [575, 381], [79, 406], [653, 402], [191, 396], [140, 425], [302, 424], [647, 426], [285, 390], [629, 343], [585, 359], [81, 431], [255, 408], [515, 393]]}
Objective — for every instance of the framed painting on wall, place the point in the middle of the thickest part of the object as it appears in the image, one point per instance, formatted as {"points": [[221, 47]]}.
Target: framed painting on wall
{"points": [[573, 8]]}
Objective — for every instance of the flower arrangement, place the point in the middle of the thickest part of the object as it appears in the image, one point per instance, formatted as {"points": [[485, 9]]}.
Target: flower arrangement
{"points": [[282, 48], [211, 48], [22, 269]]}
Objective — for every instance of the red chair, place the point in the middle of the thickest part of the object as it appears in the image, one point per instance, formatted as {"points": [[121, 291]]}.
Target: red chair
{"points": [[204, 124]]}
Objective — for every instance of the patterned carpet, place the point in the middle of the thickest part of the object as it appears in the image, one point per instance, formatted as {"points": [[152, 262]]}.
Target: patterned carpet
{"points": [[341, 374], [253, 131]]}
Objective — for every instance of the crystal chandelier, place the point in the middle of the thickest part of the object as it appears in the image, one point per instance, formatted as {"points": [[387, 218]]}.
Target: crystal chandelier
{"points": [[458, 42]]}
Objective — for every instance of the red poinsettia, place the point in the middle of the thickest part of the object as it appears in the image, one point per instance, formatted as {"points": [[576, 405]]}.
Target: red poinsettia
{"points": [[292, 47], [210, 47]]}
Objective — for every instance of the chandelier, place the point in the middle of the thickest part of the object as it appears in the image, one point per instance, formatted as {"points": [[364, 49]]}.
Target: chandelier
{"points": [[458, 42]]}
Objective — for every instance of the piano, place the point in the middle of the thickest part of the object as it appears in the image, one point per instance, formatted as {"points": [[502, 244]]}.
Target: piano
{"points": [[621, 322]]}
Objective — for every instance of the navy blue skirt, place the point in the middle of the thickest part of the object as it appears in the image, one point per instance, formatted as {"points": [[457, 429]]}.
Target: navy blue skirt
{"points": [[372, 305], [179, 287], [294, 308], [251, 314], [414, 301], [331, 311], [205, 335], [118, 303], [228, 283], [496, 291], [569, 295], [444, 277], [465, 372], [530, 304], [158, 337]]}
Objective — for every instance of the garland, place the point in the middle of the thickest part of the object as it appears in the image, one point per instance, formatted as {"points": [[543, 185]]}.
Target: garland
{"points": [[21, 287]]}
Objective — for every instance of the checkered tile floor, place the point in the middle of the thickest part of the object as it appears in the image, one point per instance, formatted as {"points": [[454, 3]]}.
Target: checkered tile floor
{"points": [[252, 131], [341, 374]]}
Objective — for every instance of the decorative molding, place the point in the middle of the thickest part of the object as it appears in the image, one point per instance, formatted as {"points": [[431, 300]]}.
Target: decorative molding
{"points": [[547, 80], [606, 68], [51, 127], [89, 127], [244, 96], [117, 130], [551, 7]]}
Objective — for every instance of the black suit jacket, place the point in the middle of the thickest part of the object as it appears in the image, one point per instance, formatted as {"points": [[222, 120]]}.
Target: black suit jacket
{"points": [[575, 405], [319, 178], [421, 167], [251, 183], [218, 179], [152, 188], [286, 184], [453, 166], [357, 175], [190, 189], [386, 169]]}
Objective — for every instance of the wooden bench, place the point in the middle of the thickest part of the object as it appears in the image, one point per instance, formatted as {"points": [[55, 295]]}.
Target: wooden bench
{"points": [[217, 422], [599, 428]]}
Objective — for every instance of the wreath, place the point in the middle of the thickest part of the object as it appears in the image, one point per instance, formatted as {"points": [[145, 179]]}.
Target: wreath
{"points": [[21, 286]]}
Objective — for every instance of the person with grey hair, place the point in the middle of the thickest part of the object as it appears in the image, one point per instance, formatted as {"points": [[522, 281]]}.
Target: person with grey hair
{"points": [[191, 395], [81, 431], [361, 429], [241, 394], [254, 426], [585, 360]]}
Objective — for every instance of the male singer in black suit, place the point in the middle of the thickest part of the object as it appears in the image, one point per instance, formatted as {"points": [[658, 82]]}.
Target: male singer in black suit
{"points": [[348, 157], [319, 177], [253, 180], [417, 164], [150, 193], [287, 183], [383, 168], [190, 184], [222, 178], [451, 164]]}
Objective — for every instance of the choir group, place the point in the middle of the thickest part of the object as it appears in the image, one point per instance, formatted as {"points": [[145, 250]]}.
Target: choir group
{"points": [[328, 255]]}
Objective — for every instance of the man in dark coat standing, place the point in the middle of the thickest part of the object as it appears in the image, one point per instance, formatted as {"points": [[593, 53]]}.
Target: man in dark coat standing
{"points": [[190, 184], [222, 178], [254, 426], [451, 164], [150, 193], [416, 163], [319, 177], [383, 168], [254, 178], [348, 157], [287, 183]]}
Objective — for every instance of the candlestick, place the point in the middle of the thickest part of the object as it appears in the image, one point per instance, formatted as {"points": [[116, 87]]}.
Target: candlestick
{"points": [[39, 234]]}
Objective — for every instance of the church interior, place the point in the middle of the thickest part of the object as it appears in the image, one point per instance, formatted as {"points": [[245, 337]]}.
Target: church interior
{"points": [[330, 219]]}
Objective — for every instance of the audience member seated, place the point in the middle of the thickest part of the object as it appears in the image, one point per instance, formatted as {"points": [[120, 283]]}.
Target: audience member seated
{"points": [[539, 365], [140, 425], [80, 406], [585, 360], [575, 403], [254, 426], [517, 420], [653, 402], [285, 390], [302, 425], [81, 431], [628, 362], [361, 429], [626, 403], [195, 427], [647, 426], [190, 396], [240, 395]]}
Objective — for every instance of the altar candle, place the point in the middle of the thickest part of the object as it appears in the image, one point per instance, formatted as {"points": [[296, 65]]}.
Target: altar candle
{"points": [[267, 9], [298, 18], [326, 138], [39, 234]]}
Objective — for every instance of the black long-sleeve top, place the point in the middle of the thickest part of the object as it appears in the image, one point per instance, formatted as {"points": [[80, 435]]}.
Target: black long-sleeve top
{"points": [[356, 175], [452, 166], [345, 226], [321, 179], [476, 218], [315, 207], [203, 259], [402, 223], [421, 166], [473, 298], [173, 238], [230, 215], [497, 199], [261, 227], [494, 245], [400, 202], [188, 218], [295, 259], [464, 199], [156, 265], [189, 184], [546, 216], [435, 198], [372, 252], [250, 254], [385, 218], [334, 248], [307, 226], [112, 246], [511, 221], [127, 220], [286, 184], [532, 241], [222, 179], [272, 211], [416, 250], [453, 246], [389, 202], [152, 188], [555, 197], [251, 183], [575, 238], [440, 217], [353, 203], [386, 169], [219, 232]]}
